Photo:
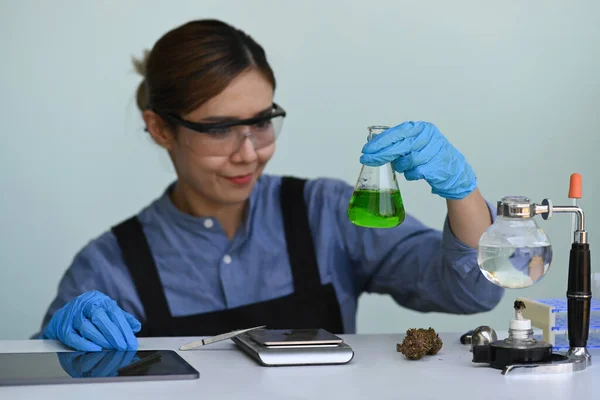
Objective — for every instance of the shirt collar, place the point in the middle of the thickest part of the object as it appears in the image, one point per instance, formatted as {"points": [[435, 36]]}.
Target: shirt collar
{"points": [[167, 210]]}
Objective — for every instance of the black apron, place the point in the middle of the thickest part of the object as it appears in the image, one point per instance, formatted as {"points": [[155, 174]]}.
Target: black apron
{"points": [[311, 305]]}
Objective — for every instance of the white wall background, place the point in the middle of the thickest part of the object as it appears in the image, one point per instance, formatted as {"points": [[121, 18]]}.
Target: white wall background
{"points": [[513, 84]]}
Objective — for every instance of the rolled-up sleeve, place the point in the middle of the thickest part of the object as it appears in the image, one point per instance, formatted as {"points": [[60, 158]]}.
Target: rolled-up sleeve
{"points": [[89, 270], [421, 268]]}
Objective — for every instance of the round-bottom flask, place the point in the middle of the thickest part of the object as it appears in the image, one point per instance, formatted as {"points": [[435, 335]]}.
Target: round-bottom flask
{"points": [[514, 252]]}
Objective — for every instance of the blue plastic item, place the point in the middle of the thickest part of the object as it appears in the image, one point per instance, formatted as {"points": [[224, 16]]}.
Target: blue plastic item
{"points": [[561, 341], [558, 307]]}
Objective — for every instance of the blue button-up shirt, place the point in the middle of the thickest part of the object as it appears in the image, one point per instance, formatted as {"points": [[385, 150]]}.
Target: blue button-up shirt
{"points": [[423, 269]]}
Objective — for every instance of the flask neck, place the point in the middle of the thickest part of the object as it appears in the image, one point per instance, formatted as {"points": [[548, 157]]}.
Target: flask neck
{"points": [[376, 130]]}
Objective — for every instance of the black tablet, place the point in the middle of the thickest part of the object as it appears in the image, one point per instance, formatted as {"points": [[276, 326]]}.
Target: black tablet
{"points": [[86, 367]]}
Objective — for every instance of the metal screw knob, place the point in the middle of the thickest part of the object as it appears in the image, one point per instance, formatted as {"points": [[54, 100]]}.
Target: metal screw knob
{"points": [[483, 335]]}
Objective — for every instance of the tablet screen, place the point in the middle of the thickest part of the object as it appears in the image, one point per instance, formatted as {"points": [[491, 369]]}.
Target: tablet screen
{"points": [[79, 367]]}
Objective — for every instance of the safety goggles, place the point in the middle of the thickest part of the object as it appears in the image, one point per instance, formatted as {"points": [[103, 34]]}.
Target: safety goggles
{"points": [[226, 138]]}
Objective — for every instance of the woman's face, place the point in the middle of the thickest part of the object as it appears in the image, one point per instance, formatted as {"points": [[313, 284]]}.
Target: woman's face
{"points": [[225, 179]]}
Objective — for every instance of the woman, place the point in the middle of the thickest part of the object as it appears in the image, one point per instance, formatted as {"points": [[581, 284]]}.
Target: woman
{"points": [[226, 247]]}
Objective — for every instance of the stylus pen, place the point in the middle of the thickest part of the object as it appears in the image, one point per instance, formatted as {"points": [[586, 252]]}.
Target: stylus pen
{"points": [[218, 338]]}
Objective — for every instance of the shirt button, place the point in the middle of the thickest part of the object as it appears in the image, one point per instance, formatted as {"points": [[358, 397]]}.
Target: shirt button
{"points": [[208, 223], [227, 259]]}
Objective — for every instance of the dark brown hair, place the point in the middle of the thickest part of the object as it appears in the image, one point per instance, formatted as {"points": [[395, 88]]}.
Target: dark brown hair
{"points": [[195, 62]]}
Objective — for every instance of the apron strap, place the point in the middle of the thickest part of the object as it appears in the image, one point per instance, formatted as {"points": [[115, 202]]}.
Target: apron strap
{"points": [[144, 272], [298, 236], [140, 262]]}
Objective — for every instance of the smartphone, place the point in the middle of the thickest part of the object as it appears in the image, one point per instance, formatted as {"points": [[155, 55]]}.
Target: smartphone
{"points": [[294, 337]]}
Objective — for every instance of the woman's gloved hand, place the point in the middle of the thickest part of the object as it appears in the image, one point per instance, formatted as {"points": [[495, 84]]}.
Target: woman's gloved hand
{"points": [[92, 322], [420, 151]]}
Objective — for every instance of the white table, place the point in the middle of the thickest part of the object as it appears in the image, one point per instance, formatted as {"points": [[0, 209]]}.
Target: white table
{"points": [[377, 372]]}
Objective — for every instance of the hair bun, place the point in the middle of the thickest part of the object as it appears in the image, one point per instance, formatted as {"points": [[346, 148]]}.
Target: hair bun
{"points": [[141, 65]]}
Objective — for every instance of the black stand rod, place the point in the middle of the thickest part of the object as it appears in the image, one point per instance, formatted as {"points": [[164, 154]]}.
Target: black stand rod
{"points": [[579, 295]]}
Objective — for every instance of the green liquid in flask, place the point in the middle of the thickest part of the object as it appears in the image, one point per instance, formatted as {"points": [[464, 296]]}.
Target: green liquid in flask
{"points": [[376, 208]]}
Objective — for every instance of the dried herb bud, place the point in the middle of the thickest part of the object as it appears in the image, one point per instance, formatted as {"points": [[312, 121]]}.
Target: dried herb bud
{"points": [[419, 342]]}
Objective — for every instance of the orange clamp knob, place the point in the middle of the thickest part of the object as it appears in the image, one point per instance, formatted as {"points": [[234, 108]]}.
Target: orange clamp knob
{"points": [[575, 186]]}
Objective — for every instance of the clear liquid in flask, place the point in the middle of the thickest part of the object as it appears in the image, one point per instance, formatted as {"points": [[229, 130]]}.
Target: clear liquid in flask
{"points": [[514, 267]]}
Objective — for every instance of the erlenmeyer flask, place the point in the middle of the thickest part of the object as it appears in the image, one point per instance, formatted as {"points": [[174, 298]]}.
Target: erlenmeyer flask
{"points": [[376, 201]]}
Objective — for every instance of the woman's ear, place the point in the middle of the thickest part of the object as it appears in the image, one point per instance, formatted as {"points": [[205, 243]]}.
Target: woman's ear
{"points": [[160, 131]]}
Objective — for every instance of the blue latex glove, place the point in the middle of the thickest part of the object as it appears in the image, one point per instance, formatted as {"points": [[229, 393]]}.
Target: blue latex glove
{"points": [[95, 364], [420, 151], [91, 322]]}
